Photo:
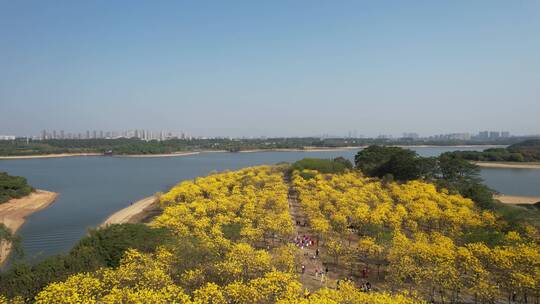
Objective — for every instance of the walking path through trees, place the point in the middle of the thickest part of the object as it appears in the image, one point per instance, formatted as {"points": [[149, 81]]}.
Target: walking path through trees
{"points": [[314, 274]]}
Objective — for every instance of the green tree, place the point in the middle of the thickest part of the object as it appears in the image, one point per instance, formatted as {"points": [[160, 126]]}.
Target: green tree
{"points": [[370, 159], [402, 164], [102, 248], [459, 175]]}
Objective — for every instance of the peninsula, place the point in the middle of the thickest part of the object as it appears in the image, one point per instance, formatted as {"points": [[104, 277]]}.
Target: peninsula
{"points": [[14, 212]]}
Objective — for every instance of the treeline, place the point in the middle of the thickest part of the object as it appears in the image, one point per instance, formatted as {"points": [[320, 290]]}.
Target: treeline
{"points": [[102, 248], [526, 151], [13, 187], [138, 146], [447, 171]]}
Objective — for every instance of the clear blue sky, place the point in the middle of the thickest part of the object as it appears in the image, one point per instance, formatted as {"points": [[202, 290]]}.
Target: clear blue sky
{"points": [[251, 68]]}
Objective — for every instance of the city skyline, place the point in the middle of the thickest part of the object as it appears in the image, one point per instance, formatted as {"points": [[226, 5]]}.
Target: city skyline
{"points": [[147, 134]]}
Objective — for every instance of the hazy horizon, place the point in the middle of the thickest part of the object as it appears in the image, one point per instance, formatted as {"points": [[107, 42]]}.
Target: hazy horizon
{"points": [[244, 68]]}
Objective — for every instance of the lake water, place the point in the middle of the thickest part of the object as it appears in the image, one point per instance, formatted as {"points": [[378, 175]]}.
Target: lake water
{"points": [[92, 188]]}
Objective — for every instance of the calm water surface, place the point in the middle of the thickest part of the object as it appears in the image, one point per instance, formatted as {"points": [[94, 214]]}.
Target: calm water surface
{"points": [[91, 188]]}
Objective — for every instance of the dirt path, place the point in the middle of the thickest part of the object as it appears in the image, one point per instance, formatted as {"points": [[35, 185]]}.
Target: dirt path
{"points": [[310, 280], [14, 212], [132, 211]]}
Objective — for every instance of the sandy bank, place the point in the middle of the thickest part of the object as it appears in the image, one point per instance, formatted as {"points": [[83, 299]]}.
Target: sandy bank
{"points": [[131, 212], [514, 199], [50, 155], [508, 165], [14, 212], [158, 155]]}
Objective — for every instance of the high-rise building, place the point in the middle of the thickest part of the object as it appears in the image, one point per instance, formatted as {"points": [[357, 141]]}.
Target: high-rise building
{"points": [[505, 134], [483, 135], [411, 135], [494, 134]]}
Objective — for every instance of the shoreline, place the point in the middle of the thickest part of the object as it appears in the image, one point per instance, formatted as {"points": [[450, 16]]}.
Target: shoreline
{"points": [[59, 155], [187, 153], [306, 149], [507, 165], [516, 199], [14, 212], [453, 146], [130, 213]]}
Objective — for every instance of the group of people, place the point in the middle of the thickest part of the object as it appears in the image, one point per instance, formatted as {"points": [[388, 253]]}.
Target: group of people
{"points": [[305, 241]]}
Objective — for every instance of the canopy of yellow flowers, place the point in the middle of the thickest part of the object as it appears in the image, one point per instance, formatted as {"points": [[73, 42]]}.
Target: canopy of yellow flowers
{"points": [[233, 233]]}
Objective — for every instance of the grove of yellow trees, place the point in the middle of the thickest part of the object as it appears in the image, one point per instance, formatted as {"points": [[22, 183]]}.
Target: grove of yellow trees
{"points": [[232, 245], [418, 238]]}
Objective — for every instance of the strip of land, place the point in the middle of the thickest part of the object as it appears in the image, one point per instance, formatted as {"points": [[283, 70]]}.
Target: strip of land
{"points": [[305, 149], [514, 199], [50, 155], [509, 165], [14, 212], [159, 155], [302, 149], [131, 213]]}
